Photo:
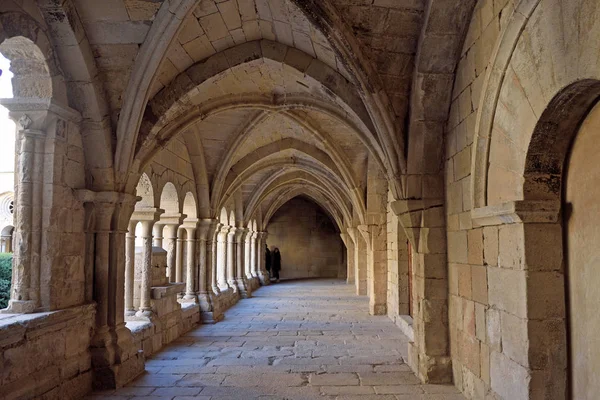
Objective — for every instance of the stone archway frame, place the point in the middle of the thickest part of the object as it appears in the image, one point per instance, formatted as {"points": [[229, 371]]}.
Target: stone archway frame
{"points": [[329, 201], [75, 84], [433, 80], [531, 215], [284, 178], [164, 113], [331, 148], [321, 173], [167, 24], [290, 192], [293, 144], [492, 86]]}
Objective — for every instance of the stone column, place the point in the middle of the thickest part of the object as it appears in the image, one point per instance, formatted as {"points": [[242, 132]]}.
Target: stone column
{"points": [[376, 238], [147, 218], [179, 256], [360, 261], [157, 233], [130, 268], [349, 257], [240, 280], [423, 221], [213, 256], [263, 275], [253, 255], [25, 290], [231, 259], [171, 224], [190, 282], [248, 255], [146, 287], [171, 247], [114, 357], [222, 258]]}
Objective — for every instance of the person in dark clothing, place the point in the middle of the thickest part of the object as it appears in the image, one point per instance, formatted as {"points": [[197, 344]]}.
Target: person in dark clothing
{"points": [[268, 260], [276, 264]]}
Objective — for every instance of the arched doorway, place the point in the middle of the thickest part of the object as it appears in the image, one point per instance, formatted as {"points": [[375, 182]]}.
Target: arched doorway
{"points": [[582, 232]]}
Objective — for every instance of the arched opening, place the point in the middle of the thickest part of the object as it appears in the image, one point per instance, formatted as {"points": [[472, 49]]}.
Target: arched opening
{"points": [[302, 227]]}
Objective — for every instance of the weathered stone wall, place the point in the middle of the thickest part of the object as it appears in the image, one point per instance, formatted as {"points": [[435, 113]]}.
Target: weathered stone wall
{"points": [[46, 355], [474, 324], [310, 245]]}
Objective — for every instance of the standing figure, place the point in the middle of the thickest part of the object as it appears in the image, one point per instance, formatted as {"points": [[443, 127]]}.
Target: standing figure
{"points": [[276, 264], [268, 260]]}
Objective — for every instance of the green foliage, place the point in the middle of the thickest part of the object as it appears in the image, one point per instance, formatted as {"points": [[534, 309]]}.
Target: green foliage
{"points": [[5, 278]]}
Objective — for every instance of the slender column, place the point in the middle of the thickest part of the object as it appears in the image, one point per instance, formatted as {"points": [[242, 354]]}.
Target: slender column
{"points": [[204, 265], [171, 247], [253, 255], [241, 283], [213, 257], [349, 244], [231, 259], [263, 275], [25, 296], [179, 256], [248, 255], [130, 268], [112, 343], [222, 258], [157, 232], [190, 282], [145, 291]]}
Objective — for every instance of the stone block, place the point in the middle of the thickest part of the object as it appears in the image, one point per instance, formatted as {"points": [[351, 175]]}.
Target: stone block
{"points": [[494, 329], [475, 246], [508, 379], [479, 284], [507, 290], [490, 245]]}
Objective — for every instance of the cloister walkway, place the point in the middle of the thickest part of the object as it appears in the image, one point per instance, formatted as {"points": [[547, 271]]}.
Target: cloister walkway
{"points": [[294, 340]]}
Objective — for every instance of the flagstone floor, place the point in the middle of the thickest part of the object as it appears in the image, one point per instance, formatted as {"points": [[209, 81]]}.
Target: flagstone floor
{"points": [[300, 340]]}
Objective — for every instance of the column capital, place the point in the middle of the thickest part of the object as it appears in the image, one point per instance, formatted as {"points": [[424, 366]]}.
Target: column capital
{"points": [[239, 234], [231, 233], [206, 228], [172, 219]]}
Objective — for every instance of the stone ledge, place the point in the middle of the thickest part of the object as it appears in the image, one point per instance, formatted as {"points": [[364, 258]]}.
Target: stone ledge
{"points": [[513, 212], [161, 292], [405, 323], [16, 326]]}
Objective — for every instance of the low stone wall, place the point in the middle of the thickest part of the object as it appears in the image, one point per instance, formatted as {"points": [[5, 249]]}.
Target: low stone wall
{"points": [[46, 355]]}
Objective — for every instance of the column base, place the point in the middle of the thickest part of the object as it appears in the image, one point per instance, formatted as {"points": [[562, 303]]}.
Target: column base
{"points": [[144, 314], [115, 359], [244, 288], [233, 285], [19, 307], [378, 309], [210, 317], [189, 298], [264, 278], [430, 369]]}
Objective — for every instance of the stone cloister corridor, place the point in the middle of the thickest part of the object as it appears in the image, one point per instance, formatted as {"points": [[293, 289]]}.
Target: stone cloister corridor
{"points": [[438, 158], [297, 340]]}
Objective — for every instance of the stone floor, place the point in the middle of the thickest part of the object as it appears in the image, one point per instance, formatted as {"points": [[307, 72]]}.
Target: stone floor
{"points": [[295, 340]]}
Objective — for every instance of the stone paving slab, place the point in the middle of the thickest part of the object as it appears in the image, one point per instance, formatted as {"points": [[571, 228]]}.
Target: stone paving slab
{"points": [[292, 341]]}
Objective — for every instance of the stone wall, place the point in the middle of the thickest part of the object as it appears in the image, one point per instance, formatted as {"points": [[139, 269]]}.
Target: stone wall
{"points": [[474, 324], [309, 243], [46, 355]]}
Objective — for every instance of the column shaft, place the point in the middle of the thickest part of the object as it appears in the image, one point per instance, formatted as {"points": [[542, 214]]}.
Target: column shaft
{"points": [[190, 282], [129, 268]]}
